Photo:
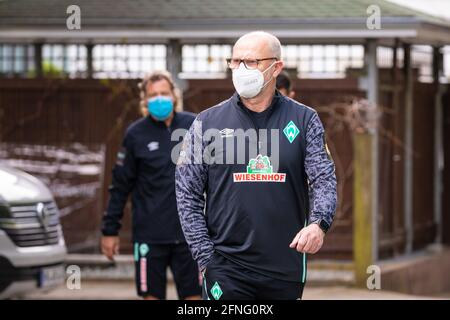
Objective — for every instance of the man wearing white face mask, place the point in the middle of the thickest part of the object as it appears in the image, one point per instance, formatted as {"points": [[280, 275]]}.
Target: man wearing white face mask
{"points": [[261, 219]]}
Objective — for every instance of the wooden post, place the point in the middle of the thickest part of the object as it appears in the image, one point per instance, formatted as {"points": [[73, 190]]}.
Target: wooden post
{"points": [[408, 175], [89, 61], [438, 141], [365, 185], [362, 207], [174, 64], [174, 61], [38, 60], [397, 169]]}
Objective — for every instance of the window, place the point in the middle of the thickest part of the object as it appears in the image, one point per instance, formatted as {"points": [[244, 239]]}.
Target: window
{"points": [[446, 52], [64, 60], [205, 61], [422, 59], [323, 61], [16, 60], [127, 61]]}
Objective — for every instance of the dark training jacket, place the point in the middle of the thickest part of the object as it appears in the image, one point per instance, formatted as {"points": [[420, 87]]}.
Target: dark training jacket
{"points": [[252, 212], [145, 169]]}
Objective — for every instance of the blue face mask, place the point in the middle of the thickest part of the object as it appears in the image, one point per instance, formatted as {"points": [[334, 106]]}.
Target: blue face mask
{"points": [[160, 107]]}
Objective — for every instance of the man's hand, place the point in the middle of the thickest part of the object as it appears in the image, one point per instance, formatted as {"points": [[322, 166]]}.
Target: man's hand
{"points": [[110, 246], [309, 239]]}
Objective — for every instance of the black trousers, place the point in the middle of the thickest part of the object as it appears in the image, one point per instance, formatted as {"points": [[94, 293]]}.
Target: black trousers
{"points": [[226, 280], [152, 260]]}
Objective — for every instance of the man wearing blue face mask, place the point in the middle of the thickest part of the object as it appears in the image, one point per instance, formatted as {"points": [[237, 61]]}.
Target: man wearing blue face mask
{"points": [[145, 169], [270, 206]]}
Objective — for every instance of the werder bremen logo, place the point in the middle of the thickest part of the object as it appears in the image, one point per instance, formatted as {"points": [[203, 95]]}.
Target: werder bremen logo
{"points": [[259, 170], [144, 249], [216, 291], [291, 131]]}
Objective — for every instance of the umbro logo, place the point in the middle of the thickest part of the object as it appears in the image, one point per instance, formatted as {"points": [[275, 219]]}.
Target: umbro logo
{"points": [[152, 146], [225, 133]]}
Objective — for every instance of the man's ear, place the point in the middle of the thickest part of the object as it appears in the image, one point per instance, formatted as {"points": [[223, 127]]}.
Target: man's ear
{"points": [[278, 68]]}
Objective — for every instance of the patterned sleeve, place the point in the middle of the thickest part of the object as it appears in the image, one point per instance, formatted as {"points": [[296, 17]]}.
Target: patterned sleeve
{"points": [[190, 183], [320, 169]]}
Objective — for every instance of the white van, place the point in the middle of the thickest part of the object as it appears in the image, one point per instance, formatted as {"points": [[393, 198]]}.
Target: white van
{"points": [[32, 247]]}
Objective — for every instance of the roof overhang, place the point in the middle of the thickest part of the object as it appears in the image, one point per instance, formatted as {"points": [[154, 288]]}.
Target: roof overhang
{"points": [[305, 31]]}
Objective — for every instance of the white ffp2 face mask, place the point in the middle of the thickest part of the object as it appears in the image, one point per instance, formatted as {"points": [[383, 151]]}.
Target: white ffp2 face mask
{"points": [[249, 83]]}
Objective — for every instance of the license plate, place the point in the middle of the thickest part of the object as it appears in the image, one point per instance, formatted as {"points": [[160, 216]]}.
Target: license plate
{"points": [[51, 276]]}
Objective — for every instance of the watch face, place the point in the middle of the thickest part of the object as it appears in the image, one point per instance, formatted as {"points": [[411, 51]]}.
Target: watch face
{"points": [[324, 226]]}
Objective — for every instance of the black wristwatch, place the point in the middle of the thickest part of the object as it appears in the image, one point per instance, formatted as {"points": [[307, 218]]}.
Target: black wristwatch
{"points": [[322, 225]]}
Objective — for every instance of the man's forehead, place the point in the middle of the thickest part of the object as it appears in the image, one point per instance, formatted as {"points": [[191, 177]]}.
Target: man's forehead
{"points": [[253, 47], [161, 84]]}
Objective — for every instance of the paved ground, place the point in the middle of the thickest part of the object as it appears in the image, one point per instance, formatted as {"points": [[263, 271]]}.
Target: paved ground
{"points": [[102, 280], [124, 290]]}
